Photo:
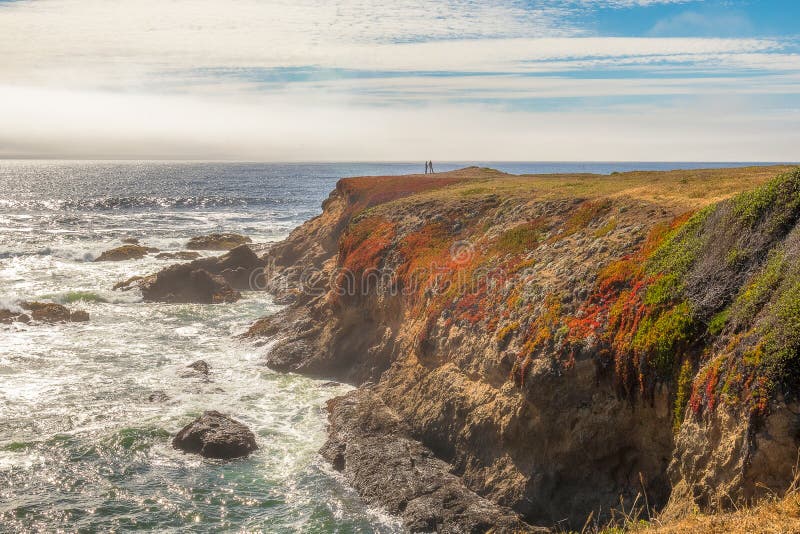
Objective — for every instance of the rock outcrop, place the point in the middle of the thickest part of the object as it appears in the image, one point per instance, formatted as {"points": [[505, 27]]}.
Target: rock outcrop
{"points": [[373, 447], [198, 369], [183, 283], [566, 344], [239, 267], [215, 435], [126, 252], [42, 312], [11, 316], [224, 241], [205, 280]]}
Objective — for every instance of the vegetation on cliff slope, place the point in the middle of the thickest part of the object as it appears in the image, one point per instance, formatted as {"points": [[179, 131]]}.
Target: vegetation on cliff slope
{"points": [[707, 303]]}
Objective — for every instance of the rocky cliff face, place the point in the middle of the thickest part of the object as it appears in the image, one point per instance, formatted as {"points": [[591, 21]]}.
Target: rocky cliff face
{"points": [[560, 343]]}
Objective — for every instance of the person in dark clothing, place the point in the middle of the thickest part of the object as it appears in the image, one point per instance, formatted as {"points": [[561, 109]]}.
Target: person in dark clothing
{"points": [[430, 166]]}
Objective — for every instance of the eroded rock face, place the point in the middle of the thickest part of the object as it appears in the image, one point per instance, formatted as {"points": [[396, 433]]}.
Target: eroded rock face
{"points": [[372, 446], [126, 252], [215, 435], [225, 241]]}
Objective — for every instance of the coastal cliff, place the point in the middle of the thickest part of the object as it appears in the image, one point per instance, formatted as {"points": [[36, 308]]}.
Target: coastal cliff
{"points": [[562, 345]]}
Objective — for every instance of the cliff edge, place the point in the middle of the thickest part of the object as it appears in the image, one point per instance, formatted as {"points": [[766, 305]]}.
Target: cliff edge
{"points": [[561, 345]]}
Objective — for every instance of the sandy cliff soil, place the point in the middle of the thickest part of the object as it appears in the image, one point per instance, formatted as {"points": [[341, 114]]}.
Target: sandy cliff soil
{"points": [[560, 345]]}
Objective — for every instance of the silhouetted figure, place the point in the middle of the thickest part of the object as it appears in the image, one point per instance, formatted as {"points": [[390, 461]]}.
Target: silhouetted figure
{"points": [[430, 164], [426, 167]]}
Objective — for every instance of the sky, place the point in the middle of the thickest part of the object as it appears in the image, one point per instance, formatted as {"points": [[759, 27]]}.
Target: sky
{"points": [[401, 80]]}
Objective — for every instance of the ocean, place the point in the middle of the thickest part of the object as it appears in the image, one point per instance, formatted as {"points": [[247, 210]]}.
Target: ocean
{"points": [[81, 445]]}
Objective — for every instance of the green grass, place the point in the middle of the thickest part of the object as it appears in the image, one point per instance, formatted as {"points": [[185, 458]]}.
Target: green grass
{"points": [[520, 238]]}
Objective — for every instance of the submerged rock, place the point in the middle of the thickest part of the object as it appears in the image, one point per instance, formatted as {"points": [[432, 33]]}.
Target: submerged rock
{"points": [[126, 252], [49, 312], [184, 255], [79, 316], [10, 316], [158, 396], [196, 369], [224, 241], [131, 240], [215, 435]]}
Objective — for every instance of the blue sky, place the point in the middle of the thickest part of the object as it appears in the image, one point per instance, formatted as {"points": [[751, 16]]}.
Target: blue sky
{"points": [[404, 80]]}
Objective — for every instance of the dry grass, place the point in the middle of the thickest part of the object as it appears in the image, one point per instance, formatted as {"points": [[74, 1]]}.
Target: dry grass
{"points": [[773, 515], [679, 190]]}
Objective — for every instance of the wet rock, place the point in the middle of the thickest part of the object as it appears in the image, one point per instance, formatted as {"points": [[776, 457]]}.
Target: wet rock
{"points": [[224, 241], [79, 316], [9, 316], [131, 240], [200, 366], [42, 312], [374, 450], [47, 312], [237, 267], [130, 283], [158, 396], [183, 283], [126, 252], [183, 255], [205, 280], [215, 435]]}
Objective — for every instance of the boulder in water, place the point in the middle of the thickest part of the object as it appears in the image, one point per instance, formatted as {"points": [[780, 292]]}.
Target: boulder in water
{"points": [[215, 435], [42, 312], [10, 316], [50, 312], [158, 396], [205, 280], [131, 240], [198, 369], [183, 283], [224, 241], [79, 316], [236, 267], [126, 252]]}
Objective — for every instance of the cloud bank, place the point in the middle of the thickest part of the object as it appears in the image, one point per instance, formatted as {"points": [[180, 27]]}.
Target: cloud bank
{"points": [[366, 80]]}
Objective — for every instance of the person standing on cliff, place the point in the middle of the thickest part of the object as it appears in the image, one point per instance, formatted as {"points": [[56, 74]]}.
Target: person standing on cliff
{"points": [[430, 165], [426, 167]]}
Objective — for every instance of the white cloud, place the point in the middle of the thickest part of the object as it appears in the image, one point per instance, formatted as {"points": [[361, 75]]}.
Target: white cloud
{"points": [[694, 23], [183, 78]]}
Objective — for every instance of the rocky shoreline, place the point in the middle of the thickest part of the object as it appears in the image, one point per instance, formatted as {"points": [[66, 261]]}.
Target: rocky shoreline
{"points": [[506, 397]]}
